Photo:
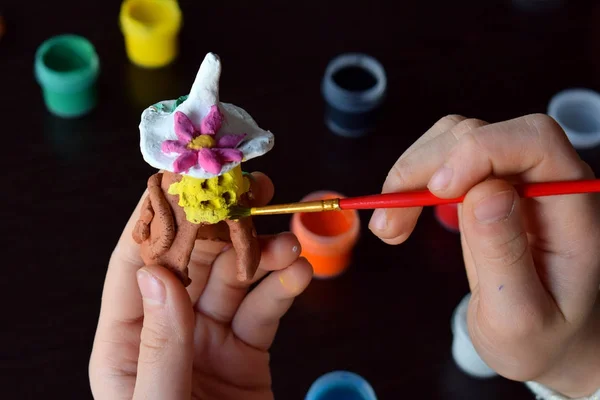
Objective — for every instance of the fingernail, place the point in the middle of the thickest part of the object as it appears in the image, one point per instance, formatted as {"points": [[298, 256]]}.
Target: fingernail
{"points": [[495, 208], [297, 246], [151, 287], [289, 283], [441, 179], [379, 220], [226, 247]]}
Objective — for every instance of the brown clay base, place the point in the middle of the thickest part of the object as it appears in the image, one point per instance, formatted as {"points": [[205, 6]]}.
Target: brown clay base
{"points": [[167, 238]]}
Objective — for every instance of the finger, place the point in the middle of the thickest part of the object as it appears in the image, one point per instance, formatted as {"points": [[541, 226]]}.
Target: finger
{"points": [[392, 225], [535, 149], [261, 189], [121, 300], [494, 231], [511, 305], [533, 146], [467, 254], [224, 293], [442, 126], [114, 353], [205, 252], [412, 171], [258, 316], [166, 341]]}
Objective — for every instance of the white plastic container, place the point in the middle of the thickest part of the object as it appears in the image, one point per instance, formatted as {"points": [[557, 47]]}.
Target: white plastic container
{"points": [[463, 352], [578, 113]]}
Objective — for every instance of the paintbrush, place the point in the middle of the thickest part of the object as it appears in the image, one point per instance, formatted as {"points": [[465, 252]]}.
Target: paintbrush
{"points": [[419, 198]]}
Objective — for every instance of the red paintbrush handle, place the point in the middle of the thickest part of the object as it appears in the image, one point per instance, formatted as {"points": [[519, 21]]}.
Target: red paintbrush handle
{"points": [[423, 198]]}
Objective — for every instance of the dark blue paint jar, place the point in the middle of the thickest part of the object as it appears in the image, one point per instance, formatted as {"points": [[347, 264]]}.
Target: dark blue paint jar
{"points": [[577, 111], [354, 87]]}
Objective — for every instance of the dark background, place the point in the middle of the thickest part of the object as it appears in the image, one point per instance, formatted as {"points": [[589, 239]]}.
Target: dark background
{"points": [[70, 185]]}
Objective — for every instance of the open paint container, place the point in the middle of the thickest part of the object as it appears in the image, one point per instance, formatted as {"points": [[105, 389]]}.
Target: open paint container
{"points": [[67, 67], [464, 353], [341, 385], [577, 111], [354, 87], [151, 29], [328, 237]]}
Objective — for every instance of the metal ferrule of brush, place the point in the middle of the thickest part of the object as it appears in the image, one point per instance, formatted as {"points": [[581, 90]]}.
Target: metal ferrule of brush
{"points": [[303, 207]]}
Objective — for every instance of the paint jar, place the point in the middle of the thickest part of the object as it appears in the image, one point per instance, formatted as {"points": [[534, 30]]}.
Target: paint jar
{"points": [[538, 5], [354, 87], [2, 26], [328, 237], [67, 67], [464, 354], [151, 29], [577, 111], [447, 216], [341, 385]]}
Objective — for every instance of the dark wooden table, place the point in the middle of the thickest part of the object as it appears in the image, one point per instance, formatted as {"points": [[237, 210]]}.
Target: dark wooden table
{"points": [[69, 186]]}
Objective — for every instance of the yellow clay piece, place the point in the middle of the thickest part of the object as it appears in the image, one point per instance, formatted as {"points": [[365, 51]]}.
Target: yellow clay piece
{"points": [[202, 141], [207, 201]]}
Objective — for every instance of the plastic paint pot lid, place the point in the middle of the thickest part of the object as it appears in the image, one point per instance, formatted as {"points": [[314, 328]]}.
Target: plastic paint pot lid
{"points": [[463, 351], [341, 385], [327, 238], [66, 63], [577, 111], [354, 87]]}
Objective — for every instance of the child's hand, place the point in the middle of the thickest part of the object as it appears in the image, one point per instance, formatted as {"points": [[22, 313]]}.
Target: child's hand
{"points": [[209, 342], [533, 265]]}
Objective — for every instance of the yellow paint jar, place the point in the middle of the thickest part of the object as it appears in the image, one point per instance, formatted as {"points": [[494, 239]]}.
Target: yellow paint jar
{"points": [[150, 28]]}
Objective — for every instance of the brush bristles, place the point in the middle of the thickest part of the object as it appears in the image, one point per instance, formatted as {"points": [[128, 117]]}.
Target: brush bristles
{"points": [[237, 212]]}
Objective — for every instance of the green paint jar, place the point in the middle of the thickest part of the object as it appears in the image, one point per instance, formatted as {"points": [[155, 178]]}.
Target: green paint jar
{"points": [[67, 67]]}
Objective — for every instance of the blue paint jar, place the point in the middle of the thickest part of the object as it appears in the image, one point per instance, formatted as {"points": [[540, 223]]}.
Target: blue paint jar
{"points": [[577, 111], [340, 385], [354, 88]]}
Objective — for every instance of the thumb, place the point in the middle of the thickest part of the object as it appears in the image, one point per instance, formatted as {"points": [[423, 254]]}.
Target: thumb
{"points": [[507, 281], [164, 368]]}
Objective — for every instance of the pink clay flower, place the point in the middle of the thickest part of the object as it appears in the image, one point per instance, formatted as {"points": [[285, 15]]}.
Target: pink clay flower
{"points": [[199, 146]]}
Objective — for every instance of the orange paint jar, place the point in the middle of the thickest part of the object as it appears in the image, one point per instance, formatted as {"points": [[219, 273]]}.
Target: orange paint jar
{"points": [[327, 238]]}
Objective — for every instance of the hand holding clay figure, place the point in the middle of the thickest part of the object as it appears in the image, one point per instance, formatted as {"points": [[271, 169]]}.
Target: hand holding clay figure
{"points": [[198, 143], [157, 339], [533, 265], [178, 320], [167, 237]]}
